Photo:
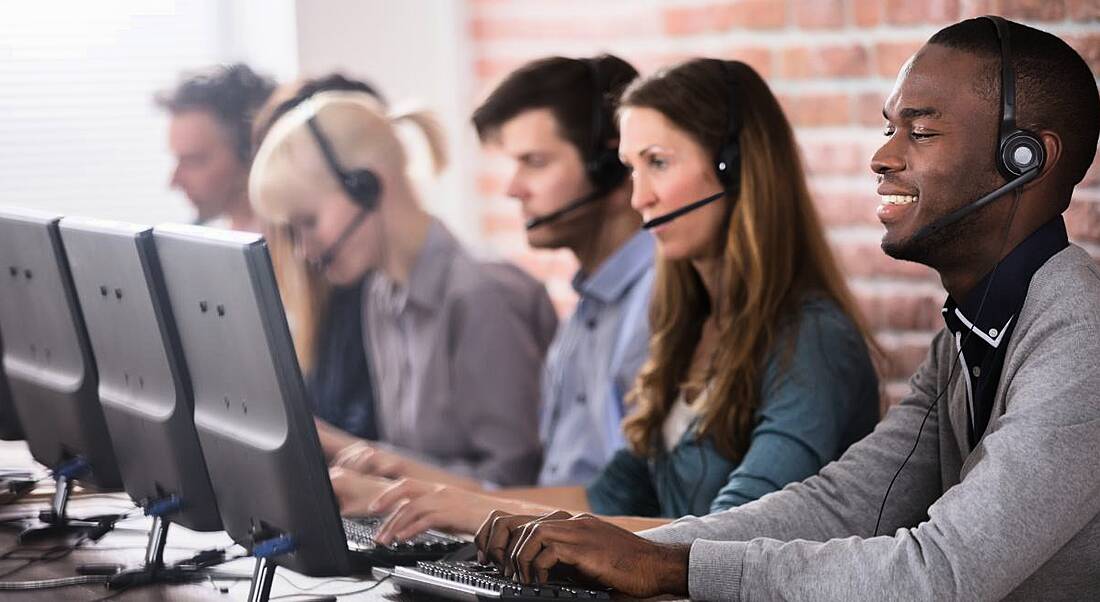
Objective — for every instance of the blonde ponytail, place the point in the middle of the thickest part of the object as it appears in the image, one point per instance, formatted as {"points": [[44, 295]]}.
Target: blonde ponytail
{"points": [[433, 132]]}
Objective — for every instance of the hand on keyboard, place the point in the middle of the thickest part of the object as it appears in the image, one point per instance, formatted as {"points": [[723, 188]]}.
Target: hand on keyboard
{"points": [[415, 506], [355, 493], [528, 547]]}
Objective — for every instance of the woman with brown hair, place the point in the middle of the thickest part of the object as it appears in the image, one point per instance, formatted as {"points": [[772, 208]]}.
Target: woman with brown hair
{"points": [[759, 371]]}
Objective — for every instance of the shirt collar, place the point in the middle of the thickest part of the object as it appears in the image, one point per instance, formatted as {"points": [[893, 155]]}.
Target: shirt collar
{"points": [[1009, 289], [619, 271], [428, 274]]}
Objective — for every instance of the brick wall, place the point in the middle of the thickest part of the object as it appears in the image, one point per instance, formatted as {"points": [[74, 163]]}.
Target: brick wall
{"points": [[831, 62]]}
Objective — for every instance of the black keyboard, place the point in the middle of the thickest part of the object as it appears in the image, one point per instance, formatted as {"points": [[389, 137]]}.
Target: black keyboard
{"points": [[474, 581], [431, 545]]}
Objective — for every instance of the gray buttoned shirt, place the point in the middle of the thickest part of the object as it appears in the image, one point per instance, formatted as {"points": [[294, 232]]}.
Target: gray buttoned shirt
{"points": [[457, 353]]}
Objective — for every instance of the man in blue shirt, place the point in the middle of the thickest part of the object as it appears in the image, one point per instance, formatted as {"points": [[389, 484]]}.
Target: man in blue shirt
{"points": [[554, 118]]}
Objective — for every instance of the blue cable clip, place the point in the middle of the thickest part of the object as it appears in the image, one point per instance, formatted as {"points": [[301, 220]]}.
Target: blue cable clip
{"points": [[283, 544], [163, 506], [71, 469]]}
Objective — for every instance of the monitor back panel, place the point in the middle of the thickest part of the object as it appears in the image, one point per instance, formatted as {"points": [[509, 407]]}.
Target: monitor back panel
{"points": [[10, 430], [143, 383], [251, 413], [50, 368]]}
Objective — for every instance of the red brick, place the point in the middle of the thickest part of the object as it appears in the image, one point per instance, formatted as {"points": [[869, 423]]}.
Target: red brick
{"points": [[865, 259], [492, 70], [868, 107], [490, 184], [904, 353], [833, 157], [896, 391], [618, 26], [1083, 10], [829, 61], [1092, 176], [1083, 218], [901, 307], [1036, 10], [756, 14], [750, 14], [1089, 47], [867, 13], [501, 222], [758, 57], [648, 63], [890, 56], [819, 14], [910, 12], [817, 110], [977, 8], [687, 20], [846, 207]]}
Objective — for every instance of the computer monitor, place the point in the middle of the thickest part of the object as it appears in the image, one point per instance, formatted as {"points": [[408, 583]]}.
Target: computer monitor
{"points": [[49, 363], [251, 410], [143, 383], [10, 430]]}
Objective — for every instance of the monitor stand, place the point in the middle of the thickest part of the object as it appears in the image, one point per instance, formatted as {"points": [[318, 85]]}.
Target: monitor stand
{"points": [[55, 522], [154, 571], [266, 550]]}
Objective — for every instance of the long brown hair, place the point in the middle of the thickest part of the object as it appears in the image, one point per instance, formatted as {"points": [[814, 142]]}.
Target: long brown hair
{"points": [[774, 256]]}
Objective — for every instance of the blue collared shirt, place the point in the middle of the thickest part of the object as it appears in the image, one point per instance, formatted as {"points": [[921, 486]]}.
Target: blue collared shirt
{"points": [[592, 363]]}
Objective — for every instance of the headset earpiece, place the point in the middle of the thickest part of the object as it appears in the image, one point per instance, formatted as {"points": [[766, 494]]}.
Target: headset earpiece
{"points": [[362, 185], [603, 168], [727, 163], [1018, 151]]}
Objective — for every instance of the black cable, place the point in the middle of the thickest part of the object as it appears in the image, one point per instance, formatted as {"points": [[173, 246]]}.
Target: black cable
{"points": [[955, 362], [50, 555], [308, 591]]}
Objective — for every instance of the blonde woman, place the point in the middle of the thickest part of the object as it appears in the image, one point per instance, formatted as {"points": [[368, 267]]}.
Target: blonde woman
{"points": [[326, 321], [454, 345]]}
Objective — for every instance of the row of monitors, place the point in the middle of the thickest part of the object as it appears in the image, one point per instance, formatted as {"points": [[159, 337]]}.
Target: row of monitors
{"points": [[162, 358]]}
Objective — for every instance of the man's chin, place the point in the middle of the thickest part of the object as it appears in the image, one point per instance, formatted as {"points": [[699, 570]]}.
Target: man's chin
{"points": [[907, 248], [541, 241]]}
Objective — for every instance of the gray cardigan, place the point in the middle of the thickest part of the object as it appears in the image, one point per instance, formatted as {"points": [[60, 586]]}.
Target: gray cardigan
{"points": [[1016, 517]]}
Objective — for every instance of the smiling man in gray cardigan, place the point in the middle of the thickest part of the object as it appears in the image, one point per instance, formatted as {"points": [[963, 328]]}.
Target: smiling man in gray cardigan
{"points": [[993, 457]]}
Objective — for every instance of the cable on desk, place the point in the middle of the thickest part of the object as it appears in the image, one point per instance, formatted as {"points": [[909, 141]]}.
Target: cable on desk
{"points": [[51, 554], [40, 584], [308, 591]]}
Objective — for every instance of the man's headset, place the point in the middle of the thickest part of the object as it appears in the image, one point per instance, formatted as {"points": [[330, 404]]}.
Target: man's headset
{"points": [[361, 185], [727, 161], [602, 166], [1020, 157], [1020, 153]]}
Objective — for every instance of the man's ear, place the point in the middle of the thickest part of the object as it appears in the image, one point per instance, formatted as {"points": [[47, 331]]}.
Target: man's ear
{"points": [[1052, 144]]}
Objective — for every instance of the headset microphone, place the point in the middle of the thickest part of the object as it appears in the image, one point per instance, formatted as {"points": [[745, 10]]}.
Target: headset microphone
{"points": [[602, 166], [727, 161], [966, 210], [554, 216], [329, 254], [682, 211]]}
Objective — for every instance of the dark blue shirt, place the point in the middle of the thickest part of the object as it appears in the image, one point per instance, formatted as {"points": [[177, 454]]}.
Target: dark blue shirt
{"points": [[340, 385], [983, 323]]}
